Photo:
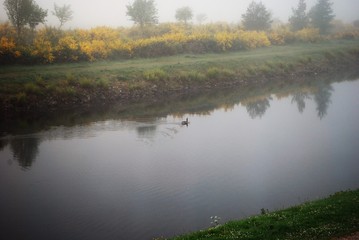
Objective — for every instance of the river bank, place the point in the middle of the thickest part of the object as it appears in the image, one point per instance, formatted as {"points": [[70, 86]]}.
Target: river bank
{"points": [[328, 218], [25, 89]]}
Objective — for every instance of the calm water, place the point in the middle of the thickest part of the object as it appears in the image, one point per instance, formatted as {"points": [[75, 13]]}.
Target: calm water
{"points": [[139, 174]]}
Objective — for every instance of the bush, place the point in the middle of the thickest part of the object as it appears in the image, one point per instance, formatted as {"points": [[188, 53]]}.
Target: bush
{"points": [[308, 35]]}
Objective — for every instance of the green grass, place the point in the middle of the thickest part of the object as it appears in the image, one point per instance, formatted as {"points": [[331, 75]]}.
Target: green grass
{"points": [[137, 68], [80, 80], [335, 216]]}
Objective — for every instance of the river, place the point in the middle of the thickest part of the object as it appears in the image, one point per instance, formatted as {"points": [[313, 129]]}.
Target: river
{"points": [[138, 173]]}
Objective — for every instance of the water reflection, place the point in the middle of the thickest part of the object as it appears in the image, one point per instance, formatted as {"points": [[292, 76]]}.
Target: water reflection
{"points": [[255, 100], [146, 131], [24, 150], [322, 97], [299, 98], [258, 108]]}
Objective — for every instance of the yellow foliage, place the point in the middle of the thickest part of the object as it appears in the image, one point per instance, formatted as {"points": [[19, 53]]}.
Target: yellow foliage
{"points": [[67, 48], [308, 35], [6, 45], [253, 39], [51, 44], [225, 40], [276, 38]]}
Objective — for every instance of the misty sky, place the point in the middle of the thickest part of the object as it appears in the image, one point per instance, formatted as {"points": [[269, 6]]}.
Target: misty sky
{"points": [[112, 13]]}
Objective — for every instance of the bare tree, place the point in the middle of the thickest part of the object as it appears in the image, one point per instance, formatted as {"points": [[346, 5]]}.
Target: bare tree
{"points": [[64, 13]]}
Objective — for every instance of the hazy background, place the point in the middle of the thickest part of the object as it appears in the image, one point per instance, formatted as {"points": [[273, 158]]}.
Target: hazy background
{"points": [[112, 13]]}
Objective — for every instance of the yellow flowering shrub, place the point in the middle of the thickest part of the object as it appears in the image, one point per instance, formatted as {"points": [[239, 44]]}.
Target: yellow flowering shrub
{"points": [[8, 48], [225, 40], [276, 38], [42, 46], [67, 49], [253, 39], [308, 35], [50, 44]]}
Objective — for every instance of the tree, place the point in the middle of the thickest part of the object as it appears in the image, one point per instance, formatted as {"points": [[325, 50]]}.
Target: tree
{"points": [[143, 12], [37, 16], [356, 23], [321, 15], [299, 19], [23, 12], [184, 14], [257, 17], [64, 13], [201, 18]]}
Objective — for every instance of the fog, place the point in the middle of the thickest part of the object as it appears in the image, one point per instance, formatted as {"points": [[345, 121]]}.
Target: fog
{"points": [[112, 13]]}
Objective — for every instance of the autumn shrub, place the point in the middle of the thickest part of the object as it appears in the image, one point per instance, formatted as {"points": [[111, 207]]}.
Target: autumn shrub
{"points": [[9, 51], [308, 35], [49, 44], [67, 49], [253, 39], [348, 34], [276, 38]]}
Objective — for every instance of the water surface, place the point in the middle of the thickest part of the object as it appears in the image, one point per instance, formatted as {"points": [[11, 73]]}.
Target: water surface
{"points": [[140, 174]]}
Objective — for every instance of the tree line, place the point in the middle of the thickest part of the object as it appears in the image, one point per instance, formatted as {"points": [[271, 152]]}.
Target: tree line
{"points": [[20, 42], [144, 13], [257, 16]]}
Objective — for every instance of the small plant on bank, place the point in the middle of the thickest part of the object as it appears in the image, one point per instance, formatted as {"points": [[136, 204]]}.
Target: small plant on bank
{"points": [[87, 83], [215, 221], [155, 75]]}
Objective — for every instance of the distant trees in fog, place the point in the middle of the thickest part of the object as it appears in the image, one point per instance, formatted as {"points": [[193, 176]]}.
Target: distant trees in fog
{"points": [[321, 16], [257, 17], [184, 14], [299, 19], [143, 12], [64, 13]]}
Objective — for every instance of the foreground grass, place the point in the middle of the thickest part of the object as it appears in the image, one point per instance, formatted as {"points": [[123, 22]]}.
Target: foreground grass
{"points": [[332, 217]]}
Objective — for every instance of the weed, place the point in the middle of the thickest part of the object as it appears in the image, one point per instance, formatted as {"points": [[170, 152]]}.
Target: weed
{"points": [[32, 88], [85, 82], [40, 81], [21, 97], [71, 79], [215, 221], [213, 73], [103, 83], [155, 75], [195, 76]]}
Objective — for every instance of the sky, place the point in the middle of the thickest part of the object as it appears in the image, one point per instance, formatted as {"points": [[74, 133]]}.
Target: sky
{"points": [[112, 13]]}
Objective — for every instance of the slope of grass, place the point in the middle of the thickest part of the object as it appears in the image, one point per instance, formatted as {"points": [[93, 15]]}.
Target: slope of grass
{"points": [[27, 88], [132, 69], [332, 217]]}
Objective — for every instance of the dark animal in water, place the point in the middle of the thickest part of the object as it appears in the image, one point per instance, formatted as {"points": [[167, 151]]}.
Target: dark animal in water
{"points": [[185, 122]]}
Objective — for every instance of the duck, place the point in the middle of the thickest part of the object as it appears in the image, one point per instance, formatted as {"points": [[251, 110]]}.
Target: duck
{"points": [[186, 122]]}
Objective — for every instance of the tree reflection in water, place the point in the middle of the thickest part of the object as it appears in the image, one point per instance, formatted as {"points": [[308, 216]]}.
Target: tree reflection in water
{"points": [[258, 108], [25, 151], [300, 97], [322, 97]]}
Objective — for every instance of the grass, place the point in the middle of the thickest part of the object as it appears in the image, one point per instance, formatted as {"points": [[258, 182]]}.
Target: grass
{"points": [[137, 68], [80, 80], [327, 218]]}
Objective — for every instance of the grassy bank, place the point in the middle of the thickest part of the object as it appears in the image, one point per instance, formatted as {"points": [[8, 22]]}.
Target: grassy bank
{"points": [[29, 88], [328, 218]]}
